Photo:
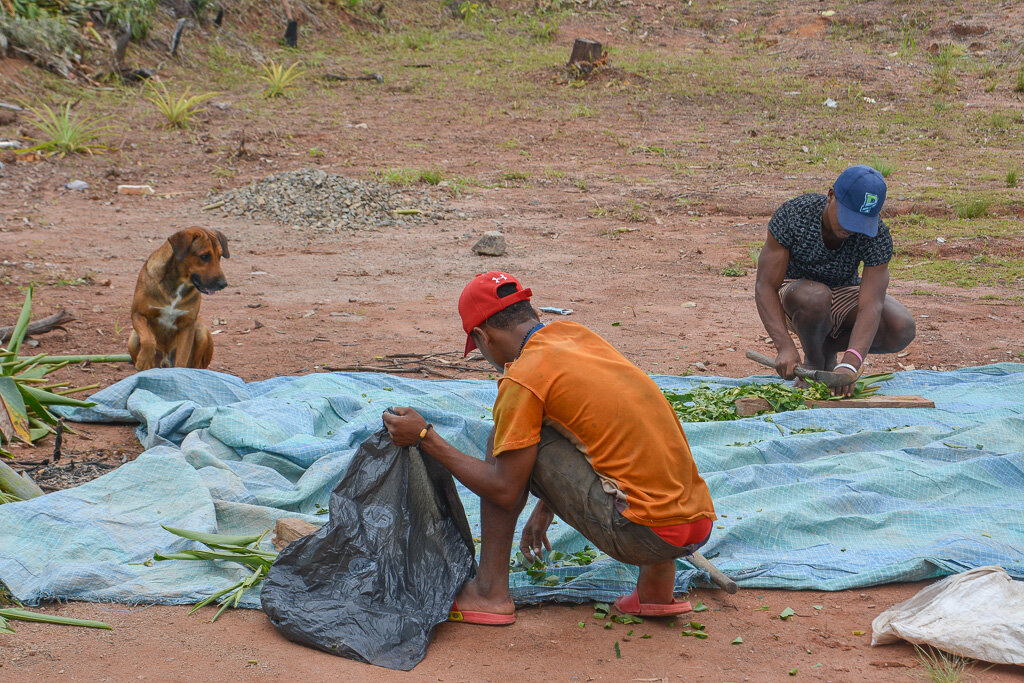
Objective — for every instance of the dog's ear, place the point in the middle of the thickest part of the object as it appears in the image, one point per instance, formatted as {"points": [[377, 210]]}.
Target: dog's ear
{"points": [[180, 243], [223, 243]]}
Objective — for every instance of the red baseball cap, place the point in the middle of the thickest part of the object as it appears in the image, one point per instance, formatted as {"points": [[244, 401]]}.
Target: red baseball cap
{"points": [[479, 301]]}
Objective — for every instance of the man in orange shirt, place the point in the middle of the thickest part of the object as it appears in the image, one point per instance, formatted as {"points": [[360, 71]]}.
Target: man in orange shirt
{"points": [[584, 430]]}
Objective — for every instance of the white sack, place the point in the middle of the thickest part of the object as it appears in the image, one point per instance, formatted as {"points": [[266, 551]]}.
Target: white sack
{"points": [[977, 614]]}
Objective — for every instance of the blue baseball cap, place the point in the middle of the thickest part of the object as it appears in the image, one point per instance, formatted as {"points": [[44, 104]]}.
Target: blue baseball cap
{"points": [[860, 193]]}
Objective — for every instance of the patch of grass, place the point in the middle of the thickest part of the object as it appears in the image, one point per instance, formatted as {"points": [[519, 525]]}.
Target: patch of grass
{"points": [[513, 176], [409, 176], [915, 227], [430, 176], [1000, 120], [178, 111], [581, 111], [886, 168], [941, 667], [655, 150], [633, 212], [64, 134], [541, 31], [978, 270], [224, 172], [1018, 85], [972, 207], [279, 79], [733, 270], [944, 76], [580, 184], [1011, 178]]}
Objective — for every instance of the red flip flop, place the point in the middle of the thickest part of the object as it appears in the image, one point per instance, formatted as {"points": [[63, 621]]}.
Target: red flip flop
{"points": [[482, 618], [630, 604]]}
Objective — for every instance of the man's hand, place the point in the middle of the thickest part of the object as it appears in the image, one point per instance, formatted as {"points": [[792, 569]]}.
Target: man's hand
{"points": [[535, 532], [405, 426], [846, 389], [786, 362]]}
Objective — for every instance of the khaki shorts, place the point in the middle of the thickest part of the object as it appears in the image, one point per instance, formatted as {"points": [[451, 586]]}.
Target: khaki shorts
{"points": [[844, 300], [564, 479]]}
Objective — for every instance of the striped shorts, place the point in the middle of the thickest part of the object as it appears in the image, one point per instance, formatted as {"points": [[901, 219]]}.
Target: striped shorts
{"points": [[844, 300]]}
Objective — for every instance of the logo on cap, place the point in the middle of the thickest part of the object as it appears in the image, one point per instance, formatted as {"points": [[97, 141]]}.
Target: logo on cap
{"points": [[501, 277], [870, 200]]}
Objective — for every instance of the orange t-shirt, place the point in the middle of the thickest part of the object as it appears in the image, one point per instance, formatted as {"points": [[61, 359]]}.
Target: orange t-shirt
{"points": [[572, 379]]}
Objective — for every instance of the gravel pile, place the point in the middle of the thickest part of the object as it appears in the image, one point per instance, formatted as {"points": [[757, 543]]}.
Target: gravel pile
{"points": [[327, 203]]}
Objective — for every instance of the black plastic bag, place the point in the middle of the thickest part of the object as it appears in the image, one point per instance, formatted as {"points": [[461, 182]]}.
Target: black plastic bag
{"points": [[373, 583]]}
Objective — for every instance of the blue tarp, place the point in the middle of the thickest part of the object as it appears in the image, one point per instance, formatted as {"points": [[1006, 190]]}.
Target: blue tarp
{"points": [[879, 496]]}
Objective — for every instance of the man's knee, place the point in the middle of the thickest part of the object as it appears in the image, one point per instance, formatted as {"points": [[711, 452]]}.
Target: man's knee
{"points": [[808, 301], [899, 333]]}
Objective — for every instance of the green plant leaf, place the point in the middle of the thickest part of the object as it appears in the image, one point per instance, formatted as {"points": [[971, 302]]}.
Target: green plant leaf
{"points": [[26, 615], [738, 640], [786, 613], [13, 414], [699, 607], [18, 333]]}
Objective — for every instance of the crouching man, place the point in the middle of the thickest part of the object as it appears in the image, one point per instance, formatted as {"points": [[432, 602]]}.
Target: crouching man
{"points": [[584, 430], [808, 282]]}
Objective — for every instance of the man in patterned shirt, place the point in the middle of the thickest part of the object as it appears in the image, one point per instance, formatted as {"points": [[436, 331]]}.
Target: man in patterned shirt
{"points": [[807, 279]]}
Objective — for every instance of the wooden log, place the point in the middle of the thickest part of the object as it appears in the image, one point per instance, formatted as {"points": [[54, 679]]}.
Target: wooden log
{"points": [[876, 401], [584, 50], [752, 405], [288, 529], [50, 322]]}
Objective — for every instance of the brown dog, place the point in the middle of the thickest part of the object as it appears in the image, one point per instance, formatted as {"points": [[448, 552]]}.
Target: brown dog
{"points": [[165, 310]]}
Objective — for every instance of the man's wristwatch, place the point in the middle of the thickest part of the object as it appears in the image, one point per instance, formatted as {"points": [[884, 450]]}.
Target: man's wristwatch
{"points": [[423, 434]]}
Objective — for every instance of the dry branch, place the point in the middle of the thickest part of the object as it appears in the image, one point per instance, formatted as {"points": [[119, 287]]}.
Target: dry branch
{"points": [[50, 322]]}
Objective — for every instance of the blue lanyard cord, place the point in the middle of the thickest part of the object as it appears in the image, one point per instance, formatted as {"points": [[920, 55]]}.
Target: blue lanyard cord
{"points": [[527, 337]]}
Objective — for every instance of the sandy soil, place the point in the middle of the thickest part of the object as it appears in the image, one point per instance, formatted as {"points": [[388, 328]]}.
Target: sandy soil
{"points": [[299, 302]]}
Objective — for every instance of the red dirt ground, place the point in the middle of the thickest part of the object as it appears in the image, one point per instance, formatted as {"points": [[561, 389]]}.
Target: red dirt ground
{"points": [[338, 299]]}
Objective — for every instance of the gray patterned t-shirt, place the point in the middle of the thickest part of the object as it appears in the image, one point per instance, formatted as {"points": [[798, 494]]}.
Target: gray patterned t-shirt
{"points": [[796, 225]]}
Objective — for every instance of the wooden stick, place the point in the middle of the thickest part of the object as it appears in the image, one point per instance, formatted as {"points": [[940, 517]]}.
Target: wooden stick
{"points": [[720, 579]]}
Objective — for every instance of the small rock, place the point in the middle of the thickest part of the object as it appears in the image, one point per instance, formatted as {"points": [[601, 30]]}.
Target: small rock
{"points": [[134, 189], [701, 367], [76, 185], [7, 117], [492, 243]]}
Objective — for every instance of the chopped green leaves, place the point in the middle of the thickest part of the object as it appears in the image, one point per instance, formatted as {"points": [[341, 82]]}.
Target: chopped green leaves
{"points": [[738, 640], [786, 613], [699, 607], [618, 652], [704, 404]]}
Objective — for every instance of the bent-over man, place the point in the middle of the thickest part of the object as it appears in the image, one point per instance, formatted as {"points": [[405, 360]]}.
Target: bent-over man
{"points": [[584, 430], [808, 282]]}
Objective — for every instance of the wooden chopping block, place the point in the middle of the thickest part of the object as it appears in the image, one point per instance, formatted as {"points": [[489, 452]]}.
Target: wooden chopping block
{"points": [[752, 405], [288, 529]]}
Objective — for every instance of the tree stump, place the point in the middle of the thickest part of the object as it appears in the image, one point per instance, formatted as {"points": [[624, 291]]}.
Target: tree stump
{"points": [[584, 50]]}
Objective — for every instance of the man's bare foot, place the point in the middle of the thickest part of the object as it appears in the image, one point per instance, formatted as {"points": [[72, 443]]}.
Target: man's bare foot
{"points": [[657, 583], [470, 599]]}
